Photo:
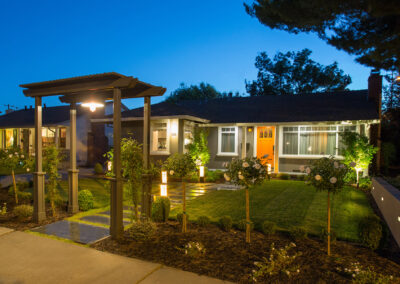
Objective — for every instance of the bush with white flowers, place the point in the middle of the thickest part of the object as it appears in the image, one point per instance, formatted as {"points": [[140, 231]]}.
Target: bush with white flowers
{"points": [[246, 172]]}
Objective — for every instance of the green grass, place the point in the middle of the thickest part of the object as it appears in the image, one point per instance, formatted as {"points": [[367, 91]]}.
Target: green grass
{"points": [[288, 204]]}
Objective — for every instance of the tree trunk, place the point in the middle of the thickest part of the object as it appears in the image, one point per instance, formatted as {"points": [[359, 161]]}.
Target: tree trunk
{"points": [[184, 226], [247, 216], [15, 187], [329, 224]]}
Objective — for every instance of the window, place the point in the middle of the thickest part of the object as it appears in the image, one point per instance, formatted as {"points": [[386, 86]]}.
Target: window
{"points": [[313, 140], [159, 137], [188, 129], [48, 136], [62, 137], [227, 140]]}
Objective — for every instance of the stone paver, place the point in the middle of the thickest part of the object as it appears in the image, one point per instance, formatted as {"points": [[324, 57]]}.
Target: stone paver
{"points": [[5, 230], [30, 258], [100, 220]]}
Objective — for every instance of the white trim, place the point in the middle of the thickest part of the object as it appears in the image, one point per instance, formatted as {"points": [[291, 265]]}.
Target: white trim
{"points": [[188, 117], [294, 123], [255, 136], [220, 153]]}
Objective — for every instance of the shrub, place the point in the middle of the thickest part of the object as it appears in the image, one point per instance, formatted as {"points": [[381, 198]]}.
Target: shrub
{"points": [[194, 249], [85, 200], [283, 176], [203, 221], [160, 210], [142, 231], [98, 169], [179, 217], [298, 233], [214, 176], [301, 177], [22, 195], [324, 235], [365, 183], [241, 225], [23, 211], [370, 231], [225, 223], [268, 228]]}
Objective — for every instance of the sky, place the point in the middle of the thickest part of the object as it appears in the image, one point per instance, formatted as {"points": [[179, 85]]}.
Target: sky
{"points": [[164, 43]]}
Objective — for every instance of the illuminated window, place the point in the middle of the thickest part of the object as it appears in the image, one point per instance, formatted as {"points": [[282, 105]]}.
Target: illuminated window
{"points": [[188, 129], [159, 137], [227, 140]]}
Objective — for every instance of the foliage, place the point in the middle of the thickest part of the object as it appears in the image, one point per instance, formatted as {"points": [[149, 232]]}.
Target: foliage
{"points": [[203, 221], [198, 149], [160, 209], [360, 275], [388, 155], [85, 200], [23, 211], [278, 262], [298, 233], [370, 231], [367, 29], [51, 159], [365, 183], [214, 176], [3, 209], [246, 172], [98, 169], [179, 165], [283, 176], [225, 223], [391, 92], [324, 235], [268, 228], [142, 231], [357, 152], [132, 166], [241, 225], [179, 217], [194, 249], [294, 73], [22, 195]]}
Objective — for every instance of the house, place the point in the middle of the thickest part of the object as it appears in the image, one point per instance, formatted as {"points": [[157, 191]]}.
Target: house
{"points": [[17, 130], [284, 131]]}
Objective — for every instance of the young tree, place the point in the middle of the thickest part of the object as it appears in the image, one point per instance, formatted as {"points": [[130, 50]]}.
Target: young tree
{"points": [[247, 172], [293, 73], [357, 152], [181, 165], [368, 29], [14, 159], [198, 149], [132, 165], [326, 174], [52, 157]]}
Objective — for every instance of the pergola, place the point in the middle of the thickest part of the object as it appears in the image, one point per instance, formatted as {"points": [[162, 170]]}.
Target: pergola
{"points": [[92, 90]]}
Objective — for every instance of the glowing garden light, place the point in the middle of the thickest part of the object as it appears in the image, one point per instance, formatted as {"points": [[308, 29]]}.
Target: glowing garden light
{"points": [[109, 166], [269, 168], [201, 171], [164, 177], [163, 190]]}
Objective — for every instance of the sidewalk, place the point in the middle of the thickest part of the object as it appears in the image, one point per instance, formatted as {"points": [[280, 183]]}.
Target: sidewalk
{"points": [[28, 258]]}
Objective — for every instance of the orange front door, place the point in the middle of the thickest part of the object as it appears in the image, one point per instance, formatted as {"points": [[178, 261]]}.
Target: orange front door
{"points": [[265, 144]]}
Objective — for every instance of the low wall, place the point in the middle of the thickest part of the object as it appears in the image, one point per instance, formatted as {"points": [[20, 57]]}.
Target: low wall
{"points": [[387, 197]]}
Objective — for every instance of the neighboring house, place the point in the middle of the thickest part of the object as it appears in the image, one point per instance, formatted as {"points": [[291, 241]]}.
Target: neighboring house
{"points": [[285, 131], [17, 130]]}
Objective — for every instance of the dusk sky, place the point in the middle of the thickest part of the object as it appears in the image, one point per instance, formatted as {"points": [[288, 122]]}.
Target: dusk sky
{"points": [[160, 42]]}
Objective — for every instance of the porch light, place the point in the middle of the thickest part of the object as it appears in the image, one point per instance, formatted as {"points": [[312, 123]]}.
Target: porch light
{"points": [[250, 129], [163, 190], [92, 105], [164, 177], [201, 171], [397, 79]]}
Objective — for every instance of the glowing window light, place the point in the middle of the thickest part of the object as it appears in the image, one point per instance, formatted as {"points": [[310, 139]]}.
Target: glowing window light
{"points": [[92, 106], [163, 190], [201, 171], [174, 129], [164, 177]]}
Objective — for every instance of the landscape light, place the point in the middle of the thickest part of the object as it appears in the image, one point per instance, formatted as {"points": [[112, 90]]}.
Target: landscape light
{"points": [[164, 177], [382, 198], [201, 171], [92, 105], [163, 190], [109, 166], [269, 168]]}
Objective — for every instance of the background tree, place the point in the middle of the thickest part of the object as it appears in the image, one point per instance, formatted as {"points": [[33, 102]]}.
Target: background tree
{"points": [[357, 152], [198, 149], [181, 165], [132, 166], [14, 159], [293, 73], [391, 92], [51, 159], [368, 29], [326, 174]]}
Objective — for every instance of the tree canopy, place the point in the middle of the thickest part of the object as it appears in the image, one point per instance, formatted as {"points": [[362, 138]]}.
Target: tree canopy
{"points": [[293, 73], [368, 29]]}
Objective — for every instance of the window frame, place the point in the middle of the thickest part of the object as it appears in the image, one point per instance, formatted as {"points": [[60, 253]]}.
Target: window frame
{"points": [[164, 152], [300, 131], [236, 140]]}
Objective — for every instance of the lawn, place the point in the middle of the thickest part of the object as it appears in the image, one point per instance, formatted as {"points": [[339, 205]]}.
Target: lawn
{"points": [[288, 204]]}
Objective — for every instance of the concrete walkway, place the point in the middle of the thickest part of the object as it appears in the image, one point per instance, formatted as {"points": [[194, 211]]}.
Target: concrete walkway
{"points": [[28, 258]]}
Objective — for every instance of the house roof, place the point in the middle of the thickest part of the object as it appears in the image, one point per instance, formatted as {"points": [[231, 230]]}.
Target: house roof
{"points": [[333, 106]]}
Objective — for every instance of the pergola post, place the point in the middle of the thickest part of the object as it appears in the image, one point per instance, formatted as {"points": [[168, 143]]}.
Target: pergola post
{"points": [[39, 211], [73, 171], [116, 225], [146, 188]]}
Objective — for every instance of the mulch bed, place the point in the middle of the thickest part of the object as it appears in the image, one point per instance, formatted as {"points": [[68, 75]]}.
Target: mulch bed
{"points": [[228, 257], [9, 220]]}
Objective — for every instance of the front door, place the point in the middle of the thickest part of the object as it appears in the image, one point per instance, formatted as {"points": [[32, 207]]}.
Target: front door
{"points": [[265, 144]]}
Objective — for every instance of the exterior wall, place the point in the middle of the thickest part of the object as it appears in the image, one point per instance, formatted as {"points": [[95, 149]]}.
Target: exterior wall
{"points": [[387, 198], [288, 165]]}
